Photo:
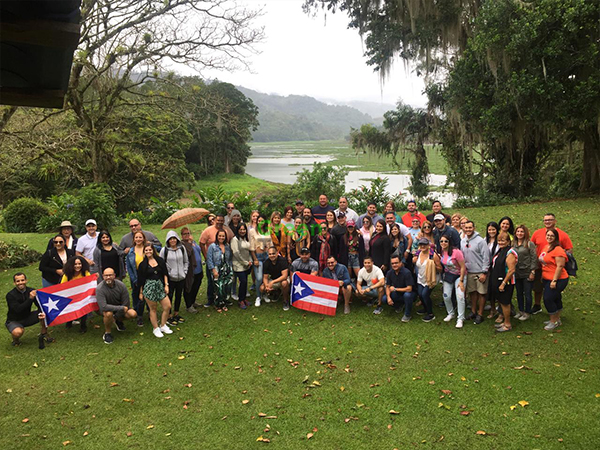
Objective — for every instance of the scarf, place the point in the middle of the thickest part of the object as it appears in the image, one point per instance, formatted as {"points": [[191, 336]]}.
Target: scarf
{"points": [[279, 242], [324, 252]]}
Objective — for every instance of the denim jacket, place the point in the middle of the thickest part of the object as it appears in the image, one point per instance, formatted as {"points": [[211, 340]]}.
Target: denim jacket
{"points": [[214, 256]]}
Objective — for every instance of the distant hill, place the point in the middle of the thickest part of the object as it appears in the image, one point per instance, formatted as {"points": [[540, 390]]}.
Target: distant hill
{"points": [[373, 109], [302, 118]]}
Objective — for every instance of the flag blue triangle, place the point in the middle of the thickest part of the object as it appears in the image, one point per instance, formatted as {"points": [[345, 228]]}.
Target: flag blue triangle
{"points": [[52, 305], [300, 289]]}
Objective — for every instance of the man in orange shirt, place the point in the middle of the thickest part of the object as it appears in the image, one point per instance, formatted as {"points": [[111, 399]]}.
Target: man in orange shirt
{"points": [[411, 214], [539, 239]]}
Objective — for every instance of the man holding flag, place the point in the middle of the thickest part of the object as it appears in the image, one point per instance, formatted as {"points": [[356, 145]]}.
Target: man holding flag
{"points": [[68, 301], [339, 272], [20, 300]]}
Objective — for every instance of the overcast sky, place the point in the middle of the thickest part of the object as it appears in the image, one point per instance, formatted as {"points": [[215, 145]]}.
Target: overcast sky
{"points": [[319, 57]]}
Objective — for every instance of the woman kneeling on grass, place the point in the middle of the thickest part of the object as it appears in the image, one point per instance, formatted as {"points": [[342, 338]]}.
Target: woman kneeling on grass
{"points": [[154, 288], [502, 279], [554, 277]]}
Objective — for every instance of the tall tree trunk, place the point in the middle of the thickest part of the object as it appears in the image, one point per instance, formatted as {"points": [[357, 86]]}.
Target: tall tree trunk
{"points": [[590, 177]]}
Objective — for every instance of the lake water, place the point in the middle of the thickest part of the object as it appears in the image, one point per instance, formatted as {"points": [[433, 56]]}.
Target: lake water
{"points": [[279, 163]]}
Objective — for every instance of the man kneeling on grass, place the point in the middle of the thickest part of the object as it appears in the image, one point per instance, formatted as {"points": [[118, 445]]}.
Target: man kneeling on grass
{"points": [[113, 302], [20, 300], [399, 288], [339, 272], [276, 277], [370, 283]]}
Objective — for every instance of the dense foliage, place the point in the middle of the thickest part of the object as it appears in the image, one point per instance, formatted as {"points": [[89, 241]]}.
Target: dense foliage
{"points": [[23, 215], [17, 255], [514, 85]]}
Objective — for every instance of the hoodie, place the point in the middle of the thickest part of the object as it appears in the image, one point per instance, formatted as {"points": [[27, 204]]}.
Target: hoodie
{"points": [[176, 259], [476, 252]]}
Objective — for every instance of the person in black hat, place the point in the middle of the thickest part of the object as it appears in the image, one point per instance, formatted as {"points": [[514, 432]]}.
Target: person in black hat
{"points": [[305, 264], [299, 208]]}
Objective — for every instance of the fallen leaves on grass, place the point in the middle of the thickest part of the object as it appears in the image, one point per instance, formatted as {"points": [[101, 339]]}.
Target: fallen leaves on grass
{"points": [[465, 413], [262, 439], [309, 435], [113, 384], [25, 420], [149, 427], [393, 411], [65, 443], [245, 402]]}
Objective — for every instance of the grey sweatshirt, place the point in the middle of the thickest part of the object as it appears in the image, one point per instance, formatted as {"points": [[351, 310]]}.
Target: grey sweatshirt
{"points": [[112, 299], [476, 252], [176, 259]]}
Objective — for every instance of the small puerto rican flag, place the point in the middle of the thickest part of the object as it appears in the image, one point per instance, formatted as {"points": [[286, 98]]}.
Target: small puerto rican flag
{"points": [[69, 301], [316, 294]]}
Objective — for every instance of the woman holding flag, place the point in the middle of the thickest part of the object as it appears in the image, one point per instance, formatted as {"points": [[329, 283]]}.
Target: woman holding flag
{"points": [[76, 267]]}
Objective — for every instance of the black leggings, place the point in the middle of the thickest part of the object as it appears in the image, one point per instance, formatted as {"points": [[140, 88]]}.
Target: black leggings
{"points": [[190, 296], [176, 288]]}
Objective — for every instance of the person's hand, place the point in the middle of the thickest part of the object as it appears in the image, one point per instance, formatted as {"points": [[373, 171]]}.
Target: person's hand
{"points": [[32, 294], [41, 316], [341, 283], [215, 274], [141, 296], [390, 302], [126, 250], [167, 290], [392, 288], [501, 287], [125, 309], [482, 278], [256, 262], [60, 272], [531, 276], [461, 285], [91, 262], [553, 284]]}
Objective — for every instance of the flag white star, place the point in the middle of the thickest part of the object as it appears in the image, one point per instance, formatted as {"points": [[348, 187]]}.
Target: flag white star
{"points": [[51, 304], [298, 289]]}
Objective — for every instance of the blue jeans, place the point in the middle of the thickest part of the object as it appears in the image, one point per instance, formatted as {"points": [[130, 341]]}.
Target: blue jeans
{"points": [[243, 277], [46, 283], [210, 288], [138, 304], [402, 298], [425, 296], [258, 271], [524, 299]]}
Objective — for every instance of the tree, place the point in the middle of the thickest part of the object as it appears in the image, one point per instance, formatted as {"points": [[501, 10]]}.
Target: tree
{"points": [[515, 81], [125, 44], [404, 129]]}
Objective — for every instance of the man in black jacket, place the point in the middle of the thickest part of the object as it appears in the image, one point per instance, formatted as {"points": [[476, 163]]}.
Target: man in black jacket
{"points": [[20, 300]]}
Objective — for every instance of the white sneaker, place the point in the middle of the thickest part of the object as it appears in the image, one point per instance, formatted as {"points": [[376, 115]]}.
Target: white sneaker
{"points": [[524, 316], [257, 302], [487, 307], [235, 297], [459, 323], [192, 310], [248, 293], [166, 330], [157, 333], [266, 299], [449, 317]]}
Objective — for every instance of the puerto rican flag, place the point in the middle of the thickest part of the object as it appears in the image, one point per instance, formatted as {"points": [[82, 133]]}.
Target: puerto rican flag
{"points": [[316, 294], [69, 301]]}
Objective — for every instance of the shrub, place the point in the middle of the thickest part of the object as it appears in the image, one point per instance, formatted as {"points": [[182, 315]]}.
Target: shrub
{"points": [[60, 207], [23, 215], [376, 191], [161, 210], [95, 201], [16, 255]]}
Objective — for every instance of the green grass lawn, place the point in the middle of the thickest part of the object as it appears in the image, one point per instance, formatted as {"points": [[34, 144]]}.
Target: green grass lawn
{"points": [[210, 384], [344, 155], [233, 182]]}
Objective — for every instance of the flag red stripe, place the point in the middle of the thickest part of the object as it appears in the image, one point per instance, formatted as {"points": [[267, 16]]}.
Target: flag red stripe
{"points": [[320, 309], [70, 284], [326, 295], [75, 314], [83, 295], [316, 279]]}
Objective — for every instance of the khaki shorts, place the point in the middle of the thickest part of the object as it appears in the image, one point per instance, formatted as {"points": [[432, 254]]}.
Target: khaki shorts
{"points": [[474, 285]]}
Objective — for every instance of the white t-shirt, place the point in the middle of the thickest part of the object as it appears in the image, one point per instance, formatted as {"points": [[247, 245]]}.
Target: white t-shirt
{"points": [[86, 245], [368, 277], [403, 229]]}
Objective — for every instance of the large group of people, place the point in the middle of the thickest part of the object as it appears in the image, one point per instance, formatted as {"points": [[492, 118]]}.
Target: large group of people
{"points": [[380, 258]]}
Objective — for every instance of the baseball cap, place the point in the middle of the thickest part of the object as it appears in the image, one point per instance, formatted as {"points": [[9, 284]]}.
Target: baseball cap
{"points": [[90, 221], [423, 241], [350, 223], [439, 217], [304, 250]]}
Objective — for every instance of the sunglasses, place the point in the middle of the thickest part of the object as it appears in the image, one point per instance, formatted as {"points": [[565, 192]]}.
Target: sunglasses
{"points": [[134, 225], [59, 242]]}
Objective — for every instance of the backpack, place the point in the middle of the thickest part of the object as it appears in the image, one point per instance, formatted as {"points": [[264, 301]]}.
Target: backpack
{"points": [[571, 265], [167, 252]]}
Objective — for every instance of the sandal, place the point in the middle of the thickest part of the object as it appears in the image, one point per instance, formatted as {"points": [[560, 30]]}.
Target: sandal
{"points": [[225, 308], [503, 328], [219, 310], [493, 314], [499, 319]]}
